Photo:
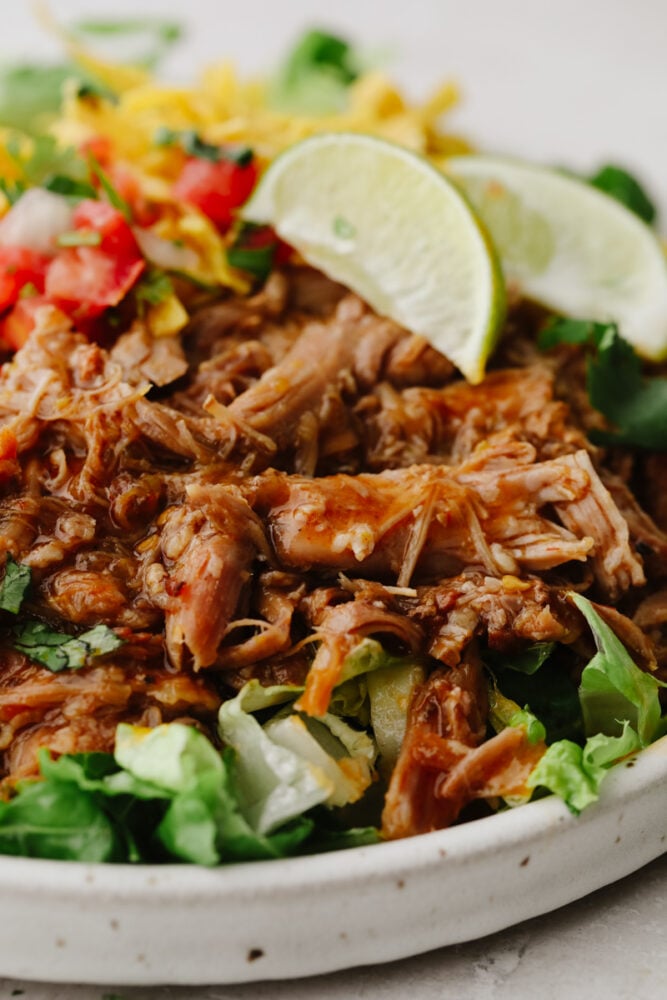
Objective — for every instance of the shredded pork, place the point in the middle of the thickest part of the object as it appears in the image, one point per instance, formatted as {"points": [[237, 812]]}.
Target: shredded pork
{"points": [[291, 475]]}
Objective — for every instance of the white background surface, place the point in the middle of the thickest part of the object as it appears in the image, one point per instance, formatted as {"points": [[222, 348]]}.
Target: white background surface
{"points": [[573, 82]]}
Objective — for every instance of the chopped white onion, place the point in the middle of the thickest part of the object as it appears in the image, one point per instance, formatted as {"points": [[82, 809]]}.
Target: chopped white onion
{"points": [[165, 253], [36, 221]]}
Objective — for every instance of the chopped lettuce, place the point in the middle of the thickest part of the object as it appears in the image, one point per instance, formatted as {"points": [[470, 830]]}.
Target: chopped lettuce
{"points": [[504, 712], [343, 754], [575, 773], [367, 656], [545, 686], [390, 691], [621, 714], [613, 689], [617, 705], [524, 661], [274, 784], [56, 819], [168, 794], [291, 764]]}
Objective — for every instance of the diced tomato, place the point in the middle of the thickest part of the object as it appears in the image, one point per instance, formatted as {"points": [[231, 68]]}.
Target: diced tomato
{"points": [[216, 188], [19, 323], [101, 217], [100, 147], [86, 280], [19, 267], [144, 212]]}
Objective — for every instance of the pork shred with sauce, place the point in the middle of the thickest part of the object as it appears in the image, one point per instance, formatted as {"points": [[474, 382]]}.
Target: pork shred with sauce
{"points": [[290, 475]]}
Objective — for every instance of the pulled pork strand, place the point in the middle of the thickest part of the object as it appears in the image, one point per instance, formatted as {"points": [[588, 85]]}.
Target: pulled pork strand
{"points": [[444, 763]]}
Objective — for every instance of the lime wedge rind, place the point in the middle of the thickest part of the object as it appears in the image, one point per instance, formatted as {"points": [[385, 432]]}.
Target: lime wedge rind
{"points": [[391, 227], [571, 247]]}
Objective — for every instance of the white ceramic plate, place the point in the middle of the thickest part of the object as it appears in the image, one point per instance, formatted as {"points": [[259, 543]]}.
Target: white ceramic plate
{"points": [[67, 922]]}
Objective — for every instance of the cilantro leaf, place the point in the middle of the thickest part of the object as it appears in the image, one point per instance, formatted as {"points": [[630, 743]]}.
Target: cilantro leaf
{"points": [[253, 250], [153, 287], [113, 196], [14, 585], [69, 186], [316, 74], [57, 651], [577, 332], [625, 188], [635, 406], [193, 145]]}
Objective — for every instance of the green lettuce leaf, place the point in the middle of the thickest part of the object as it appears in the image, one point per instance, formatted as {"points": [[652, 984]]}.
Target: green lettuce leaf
{"points": [[524, 661], [549, 690], [324, 743], [292, 763], [613, 689], [180, 762], [166, 795], [134, 808], [238, 841], [54, 819], [575, 773], [273, 783], [390, 690], [504, 712]]}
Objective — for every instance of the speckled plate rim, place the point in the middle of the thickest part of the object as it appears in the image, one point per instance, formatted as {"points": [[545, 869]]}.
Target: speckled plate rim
{"points": [[122, 924]]}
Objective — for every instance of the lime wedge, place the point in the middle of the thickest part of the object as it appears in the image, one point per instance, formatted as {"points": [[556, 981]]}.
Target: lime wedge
{"points": [[391, 227], [571, 247]]}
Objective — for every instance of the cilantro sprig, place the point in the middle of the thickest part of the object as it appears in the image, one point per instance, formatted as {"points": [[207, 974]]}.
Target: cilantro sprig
{"points": [[58, 651], [153, 287], [316, 75], [54, 650], [192, 144], [253, 249], [15, 585], [635, 405], [619, 184]]}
